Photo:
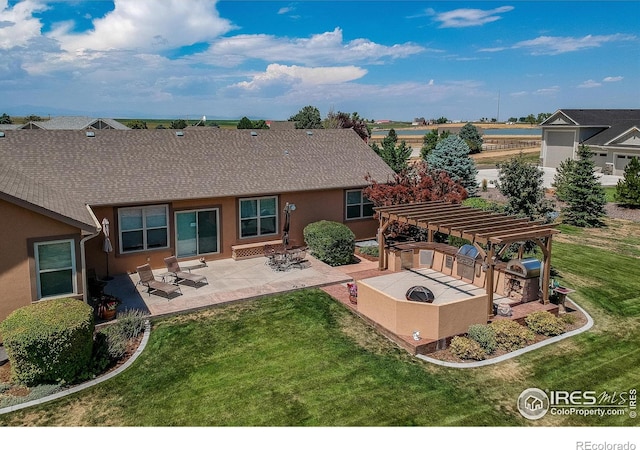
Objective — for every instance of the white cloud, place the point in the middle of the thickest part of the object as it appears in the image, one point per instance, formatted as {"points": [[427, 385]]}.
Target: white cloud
{"points": [[17, 24], [286, 10], [293, 75], [148, 25], [465, 17], [555, 45], [325, 48], [612, 79], [548, 91], [589, 84]]}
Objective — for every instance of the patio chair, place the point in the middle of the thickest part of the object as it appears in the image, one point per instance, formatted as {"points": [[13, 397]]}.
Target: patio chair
{"points": [[153, 286], [297, 257], [174, 269]]}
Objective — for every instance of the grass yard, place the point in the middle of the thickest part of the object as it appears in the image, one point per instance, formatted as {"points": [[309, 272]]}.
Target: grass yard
{"points": [[302, 359]]}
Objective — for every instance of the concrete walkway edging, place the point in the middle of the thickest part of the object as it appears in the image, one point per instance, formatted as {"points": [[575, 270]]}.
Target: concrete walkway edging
{"points": [[515, 353], [86, 384]]}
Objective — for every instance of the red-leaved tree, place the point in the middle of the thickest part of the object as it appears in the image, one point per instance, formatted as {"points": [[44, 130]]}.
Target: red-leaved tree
{"points": [[418, 183]]}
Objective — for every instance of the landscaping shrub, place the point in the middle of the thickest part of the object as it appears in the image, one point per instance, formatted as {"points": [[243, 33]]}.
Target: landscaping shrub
{"points": [[49, 342], [543, 322], [511, 335], [485, 336], [111, 341], [331, 242], [465, 348], [569, 319]]}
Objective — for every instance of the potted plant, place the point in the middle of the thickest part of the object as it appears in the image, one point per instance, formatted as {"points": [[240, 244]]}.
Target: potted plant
{"points": [[108, 306]]}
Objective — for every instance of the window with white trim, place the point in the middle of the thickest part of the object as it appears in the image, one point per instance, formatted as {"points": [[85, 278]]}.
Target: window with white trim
{"points": [[258, 216], [55, 268], [143, 228], [358, 206]]}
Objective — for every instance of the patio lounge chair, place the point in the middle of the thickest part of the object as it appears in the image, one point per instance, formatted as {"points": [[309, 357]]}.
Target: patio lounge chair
{"points": [[153, 286], [174, 269]]}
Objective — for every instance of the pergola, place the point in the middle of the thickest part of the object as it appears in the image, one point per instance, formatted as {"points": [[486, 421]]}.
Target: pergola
{"points": [[491, 233]]}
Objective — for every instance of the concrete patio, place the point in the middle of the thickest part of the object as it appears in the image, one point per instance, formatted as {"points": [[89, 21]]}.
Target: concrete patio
{"points": [[228, 281]]}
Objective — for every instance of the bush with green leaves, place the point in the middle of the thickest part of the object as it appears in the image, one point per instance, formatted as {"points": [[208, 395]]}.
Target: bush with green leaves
{"points": [[331, 242], [545, 323], [485, 336], [49, 342], [111, 341], [510, 335], [465, 348]]}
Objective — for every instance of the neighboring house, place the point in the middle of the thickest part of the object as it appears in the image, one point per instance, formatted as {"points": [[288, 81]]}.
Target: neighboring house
{"points": [[70, 123], [613, 135], [191, 193]]}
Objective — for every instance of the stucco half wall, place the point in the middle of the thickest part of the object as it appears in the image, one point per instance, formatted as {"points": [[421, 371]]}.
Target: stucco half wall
{"points": [[432, 320]]}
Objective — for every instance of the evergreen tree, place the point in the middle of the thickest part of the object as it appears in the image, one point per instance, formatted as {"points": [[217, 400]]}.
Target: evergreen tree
{"points": [[628, 189], [396, 156], [584, 194], [452, 156], [5, 119], [430, 140], [472, 137], [522, 184], [562, 178]]}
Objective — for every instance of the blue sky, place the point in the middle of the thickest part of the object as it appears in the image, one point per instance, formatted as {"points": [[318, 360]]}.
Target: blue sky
{"points": [[267, 59]]}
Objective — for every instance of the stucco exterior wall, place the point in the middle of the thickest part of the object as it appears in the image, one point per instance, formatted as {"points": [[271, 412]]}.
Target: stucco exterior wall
{"points": [[20, 229], [433, 321], [310, 207]]}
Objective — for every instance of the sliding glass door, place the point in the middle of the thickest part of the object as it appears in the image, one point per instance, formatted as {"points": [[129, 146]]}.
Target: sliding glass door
{"points": [[197, 232]]}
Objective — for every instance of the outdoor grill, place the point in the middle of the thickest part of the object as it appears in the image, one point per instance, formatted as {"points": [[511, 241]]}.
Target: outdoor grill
{"points": [[522, 279], [419, 294], [524, 268], [467, 257]]}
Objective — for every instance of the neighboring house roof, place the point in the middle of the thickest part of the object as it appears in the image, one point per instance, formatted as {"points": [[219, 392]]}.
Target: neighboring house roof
{"points": [[22, 190], [144, 166], [613, 122], [74, 123]]}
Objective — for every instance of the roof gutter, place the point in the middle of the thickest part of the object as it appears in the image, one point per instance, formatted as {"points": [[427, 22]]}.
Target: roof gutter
{"points": [[83, 262]]}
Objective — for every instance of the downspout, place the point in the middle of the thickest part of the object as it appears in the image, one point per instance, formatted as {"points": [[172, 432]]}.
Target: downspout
{"points": [[83, 262]]}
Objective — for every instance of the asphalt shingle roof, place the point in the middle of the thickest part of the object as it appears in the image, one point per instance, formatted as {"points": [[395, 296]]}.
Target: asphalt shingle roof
{"points": [[18, 188], [76, 123], [617, 122], [144, 166]]}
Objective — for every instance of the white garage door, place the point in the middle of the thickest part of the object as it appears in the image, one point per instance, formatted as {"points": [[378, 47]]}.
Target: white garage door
{"points": [[559, 147]]}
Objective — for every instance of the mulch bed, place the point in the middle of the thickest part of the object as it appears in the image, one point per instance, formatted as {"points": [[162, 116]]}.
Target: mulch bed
{"points": [[446, 355]]}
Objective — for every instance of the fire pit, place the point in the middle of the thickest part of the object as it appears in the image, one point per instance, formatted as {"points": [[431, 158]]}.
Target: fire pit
{"points": [[419, 294]]}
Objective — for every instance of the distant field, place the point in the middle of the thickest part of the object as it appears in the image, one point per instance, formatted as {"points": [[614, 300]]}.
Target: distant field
{"points": [[153, 123]]}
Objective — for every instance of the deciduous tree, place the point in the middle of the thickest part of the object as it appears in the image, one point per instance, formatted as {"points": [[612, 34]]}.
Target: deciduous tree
{"points": [[522, 184], [472, 137], [344, 120], [307, 118]]}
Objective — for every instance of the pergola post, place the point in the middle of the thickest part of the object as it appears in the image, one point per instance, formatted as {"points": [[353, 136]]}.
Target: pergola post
{"points": [[546, 273], [382, 255], [490, 272]]}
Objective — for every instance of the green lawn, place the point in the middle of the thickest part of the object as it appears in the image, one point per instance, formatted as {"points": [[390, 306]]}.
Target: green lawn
{"points": [[302, 359]]}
